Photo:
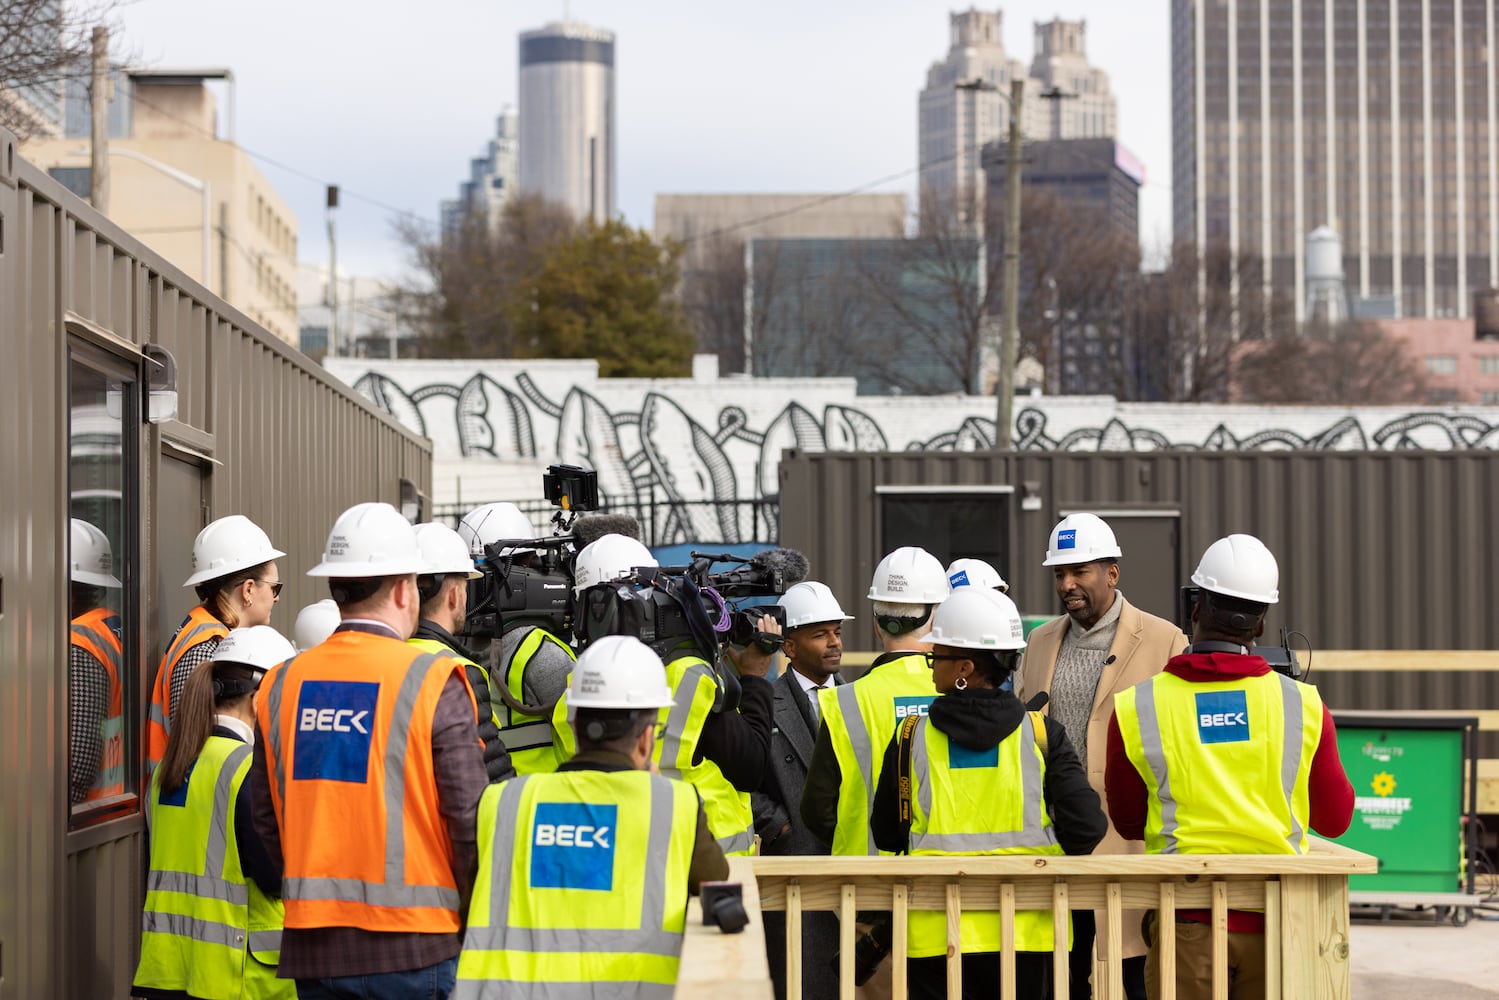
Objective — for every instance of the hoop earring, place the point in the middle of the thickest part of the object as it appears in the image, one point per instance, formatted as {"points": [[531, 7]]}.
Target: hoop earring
{"points": [[961, 684]]}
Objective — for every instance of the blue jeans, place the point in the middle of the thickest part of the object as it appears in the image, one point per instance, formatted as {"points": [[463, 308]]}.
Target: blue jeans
{"points": [[434, 982]]}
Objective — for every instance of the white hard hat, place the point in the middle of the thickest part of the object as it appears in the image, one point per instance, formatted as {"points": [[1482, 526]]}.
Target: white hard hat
{"points": [[1240, 566], [492, 523], [909, 575], [811, 603], [315, 623], [608, 558], [444, 550], [975, 573], [369, 540], [618, 671], [978, 618], [90, 556], [258, 646], [228, 545], [1081, 538]]}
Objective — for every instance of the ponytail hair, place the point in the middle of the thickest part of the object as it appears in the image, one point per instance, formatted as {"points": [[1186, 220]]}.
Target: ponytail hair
{"points": [[192, 722], [215, 594]]}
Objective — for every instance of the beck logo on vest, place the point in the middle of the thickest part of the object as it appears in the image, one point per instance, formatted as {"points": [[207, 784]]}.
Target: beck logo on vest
{"points": [[1222, 717], [333, 730], [911, 706], [572, 846]]}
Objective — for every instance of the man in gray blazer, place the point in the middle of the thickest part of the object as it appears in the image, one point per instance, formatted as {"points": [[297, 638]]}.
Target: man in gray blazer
{"points": [[814, 652]]}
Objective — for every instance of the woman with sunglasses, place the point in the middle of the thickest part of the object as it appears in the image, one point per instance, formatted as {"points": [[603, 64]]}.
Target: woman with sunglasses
{"points": [[238, 584], [987, 777], [212, 923]]}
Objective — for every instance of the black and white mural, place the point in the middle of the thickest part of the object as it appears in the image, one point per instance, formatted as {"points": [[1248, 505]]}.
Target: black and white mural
{"points": [[683, 446]]}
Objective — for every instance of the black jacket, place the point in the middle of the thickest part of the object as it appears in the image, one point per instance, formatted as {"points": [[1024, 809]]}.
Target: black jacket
{"points": [[496, 759], [979, 719]]}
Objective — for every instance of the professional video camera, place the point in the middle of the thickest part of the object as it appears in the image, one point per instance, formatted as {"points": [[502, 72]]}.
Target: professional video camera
{"points": [[534, 586], [1282, 658]]}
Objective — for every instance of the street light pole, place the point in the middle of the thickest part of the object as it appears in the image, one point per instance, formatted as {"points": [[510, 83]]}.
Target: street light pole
{"points": [[1010, 342]]}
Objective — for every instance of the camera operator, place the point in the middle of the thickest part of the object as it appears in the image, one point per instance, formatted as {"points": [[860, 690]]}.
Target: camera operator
{"points": [[720, 749], [443, 591], [529, 665]]}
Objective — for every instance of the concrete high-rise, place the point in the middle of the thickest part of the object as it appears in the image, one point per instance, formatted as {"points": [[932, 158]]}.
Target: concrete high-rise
{"points": [[1373, 117], [567, 114], [956, 121]]}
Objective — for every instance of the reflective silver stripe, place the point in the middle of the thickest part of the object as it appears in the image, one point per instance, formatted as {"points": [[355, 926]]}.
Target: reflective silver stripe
{"points": [[395, 773], [262, 941], [649, 939], [216, 858], [600, 990], [658, 844], [187, 640], [1290, 758], [273, 731], [858, 736], [203, 931], [742, 841], [156, 714], [527, 736], [676, 721], [507, 815], [349, 890], [201, 886], [1155, 759], [97, 639], [1034, 833]]}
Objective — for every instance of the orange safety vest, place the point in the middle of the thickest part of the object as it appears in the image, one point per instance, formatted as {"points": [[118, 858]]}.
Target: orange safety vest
{"points": [[347, 728], [199, 626], [96, 633]]}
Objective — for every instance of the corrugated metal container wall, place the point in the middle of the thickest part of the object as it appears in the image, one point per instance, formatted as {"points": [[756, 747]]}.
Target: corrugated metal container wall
{"points": [[1377, 550], [260, 430]]}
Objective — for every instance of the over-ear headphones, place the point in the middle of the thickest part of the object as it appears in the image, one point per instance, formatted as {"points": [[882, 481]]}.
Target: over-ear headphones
{"points": [[901, 624], [228, 688], [428, 586], [595, 731]]}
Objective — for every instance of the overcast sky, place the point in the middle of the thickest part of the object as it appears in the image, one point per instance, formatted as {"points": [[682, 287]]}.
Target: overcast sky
{"points": [[390, 98]]}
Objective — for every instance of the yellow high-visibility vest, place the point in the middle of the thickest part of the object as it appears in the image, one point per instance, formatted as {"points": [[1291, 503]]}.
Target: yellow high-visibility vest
{"points": [[983, 803], [528, 738], [207, 929], [582, 887], [731, 819], [1227, 764], [862, 718]]}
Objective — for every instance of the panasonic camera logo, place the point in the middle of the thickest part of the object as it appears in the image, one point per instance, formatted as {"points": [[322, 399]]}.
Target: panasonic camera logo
{"points": [[572, 845], [1223, 717], [332, 741]]}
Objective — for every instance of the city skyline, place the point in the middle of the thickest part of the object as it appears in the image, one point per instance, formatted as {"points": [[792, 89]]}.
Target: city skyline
{"points": [[711, 99]]}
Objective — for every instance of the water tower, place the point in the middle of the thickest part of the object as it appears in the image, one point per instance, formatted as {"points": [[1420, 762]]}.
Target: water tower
{"points": [[1326, 296]]}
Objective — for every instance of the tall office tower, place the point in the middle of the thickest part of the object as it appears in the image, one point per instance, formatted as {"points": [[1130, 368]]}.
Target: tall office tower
{"points": [[567, 116], [1375, 118], [966, 104]]}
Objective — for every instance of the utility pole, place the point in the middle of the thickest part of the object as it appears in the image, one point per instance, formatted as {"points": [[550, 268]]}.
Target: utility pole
{"points": [[332, 274], [99, 123], [1010, 342]]}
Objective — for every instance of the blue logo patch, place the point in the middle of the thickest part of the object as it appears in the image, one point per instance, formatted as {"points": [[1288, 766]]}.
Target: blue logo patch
{"points": [[572, 846], [1067, 539], [179, 797], [334, 719], [911, 706], [1223, 717], [958, 579], [962, 757]]}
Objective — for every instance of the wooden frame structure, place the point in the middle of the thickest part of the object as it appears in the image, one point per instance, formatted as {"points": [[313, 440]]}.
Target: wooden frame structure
{"points": [[1305, 899]]}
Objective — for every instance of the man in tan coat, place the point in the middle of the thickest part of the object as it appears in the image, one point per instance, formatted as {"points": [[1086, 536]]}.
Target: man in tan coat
{"points": [[1102, 645]]}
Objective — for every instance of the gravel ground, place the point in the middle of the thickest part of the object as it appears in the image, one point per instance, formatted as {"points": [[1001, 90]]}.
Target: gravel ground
{"points": [[1415, 957]]}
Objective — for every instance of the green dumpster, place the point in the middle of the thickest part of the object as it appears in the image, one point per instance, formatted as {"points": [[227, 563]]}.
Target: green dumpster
{"points": [[1407, 775]]}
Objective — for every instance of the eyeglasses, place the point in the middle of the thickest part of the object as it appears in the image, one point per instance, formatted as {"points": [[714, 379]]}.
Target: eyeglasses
{"points": [[275, 587], [932, 658]]}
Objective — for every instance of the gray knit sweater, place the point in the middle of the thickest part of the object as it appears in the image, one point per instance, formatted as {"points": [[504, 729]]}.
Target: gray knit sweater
{"points": [[1074, 684]]}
